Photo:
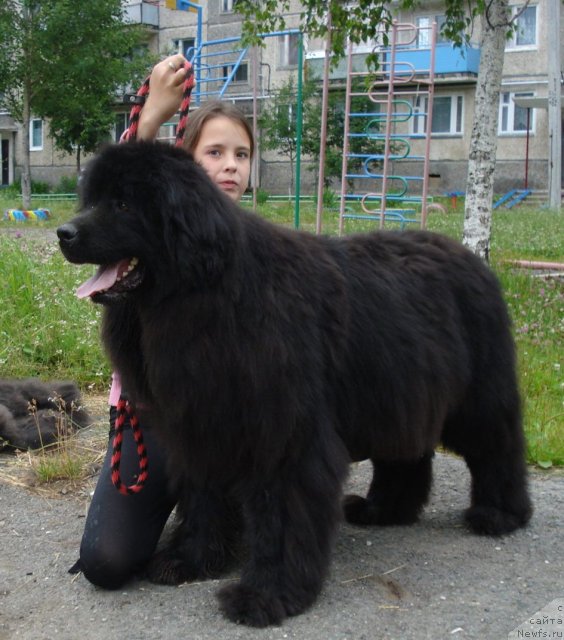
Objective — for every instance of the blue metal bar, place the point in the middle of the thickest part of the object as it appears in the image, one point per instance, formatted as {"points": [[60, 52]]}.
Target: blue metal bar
{"points": [[505, 198]]}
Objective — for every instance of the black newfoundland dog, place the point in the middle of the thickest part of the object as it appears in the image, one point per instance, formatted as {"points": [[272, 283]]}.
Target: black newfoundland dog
{"points": [[269, 359]]}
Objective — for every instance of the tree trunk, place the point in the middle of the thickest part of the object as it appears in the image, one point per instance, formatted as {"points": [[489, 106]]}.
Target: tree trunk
{"points": [[483, 144], [292, 157], [26, 170]]}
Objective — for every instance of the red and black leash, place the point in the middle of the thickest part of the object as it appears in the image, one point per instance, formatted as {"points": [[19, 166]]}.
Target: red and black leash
{"points": [[139, 101], [124, 408]]}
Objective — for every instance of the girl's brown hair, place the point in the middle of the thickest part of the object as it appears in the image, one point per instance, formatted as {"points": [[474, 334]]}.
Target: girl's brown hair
{"points": [[214, 109]]}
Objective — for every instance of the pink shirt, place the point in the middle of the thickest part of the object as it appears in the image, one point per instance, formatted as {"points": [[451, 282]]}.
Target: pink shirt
{"points": [[115, 389]]}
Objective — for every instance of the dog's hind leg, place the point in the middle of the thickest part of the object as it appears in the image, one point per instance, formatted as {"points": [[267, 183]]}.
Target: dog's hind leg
{"points": [[492, 444], [290, 524], [397, 494], [204, 543]]}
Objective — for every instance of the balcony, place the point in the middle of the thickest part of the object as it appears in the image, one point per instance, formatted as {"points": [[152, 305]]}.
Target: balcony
{"points": [[450, 61], [145, 13]]}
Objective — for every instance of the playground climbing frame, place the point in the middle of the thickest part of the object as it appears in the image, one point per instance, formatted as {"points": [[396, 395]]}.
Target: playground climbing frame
{"points": [[401, 91]]}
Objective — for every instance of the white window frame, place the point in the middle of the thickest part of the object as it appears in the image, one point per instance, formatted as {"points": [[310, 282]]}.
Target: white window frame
{"points": [[183, 44], [507, 113], [285, 48], [32, 146], [289, 110], [423, 24], [513, 44], [226, 6], [456, 124], [124, 122], [228, 68]]}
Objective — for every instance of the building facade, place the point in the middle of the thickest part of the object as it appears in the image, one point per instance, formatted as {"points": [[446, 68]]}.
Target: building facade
{"points": [[250, 77]]}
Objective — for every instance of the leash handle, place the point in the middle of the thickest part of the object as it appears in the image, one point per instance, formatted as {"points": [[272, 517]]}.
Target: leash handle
{"points": [[135, 113], [123, 409]]}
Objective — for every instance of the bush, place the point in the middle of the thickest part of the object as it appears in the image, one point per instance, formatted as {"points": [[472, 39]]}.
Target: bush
{"points": [[262, 196], [40, 187], [330, 198], [67, 184], [11, 191]]}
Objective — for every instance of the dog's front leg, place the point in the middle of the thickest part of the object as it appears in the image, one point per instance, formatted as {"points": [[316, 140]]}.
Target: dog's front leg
{"points": [[289, 525], [205, 540]]}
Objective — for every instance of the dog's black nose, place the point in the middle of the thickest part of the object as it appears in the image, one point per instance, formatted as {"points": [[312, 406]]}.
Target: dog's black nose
{"points": [[67, 232]]}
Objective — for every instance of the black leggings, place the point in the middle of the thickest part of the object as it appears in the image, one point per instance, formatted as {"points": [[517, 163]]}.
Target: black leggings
{"points": [[122, 532]]}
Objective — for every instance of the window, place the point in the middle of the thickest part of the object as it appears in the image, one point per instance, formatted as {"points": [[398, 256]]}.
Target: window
{"points": [[36, 134], [286, 117], [424, 24], [525, 33], [512, 118], [227, 6], [120, 125], [288, 50], [241, 72], [447, 115], [185, 46]]}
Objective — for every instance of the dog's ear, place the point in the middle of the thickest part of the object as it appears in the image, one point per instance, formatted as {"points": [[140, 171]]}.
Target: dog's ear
{"points": [[200, 224]]}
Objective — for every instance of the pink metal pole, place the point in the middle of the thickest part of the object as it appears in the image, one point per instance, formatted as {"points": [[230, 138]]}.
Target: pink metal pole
{"points": [[256, 152], [536, 264], [323, 141], [346, 144], [527, 149], [429, 128], [389, 107]]}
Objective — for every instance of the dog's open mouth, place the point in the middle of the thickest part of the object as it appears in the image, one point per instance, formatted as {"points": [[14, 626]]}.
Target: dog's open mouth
{"points": [[113, 281]]}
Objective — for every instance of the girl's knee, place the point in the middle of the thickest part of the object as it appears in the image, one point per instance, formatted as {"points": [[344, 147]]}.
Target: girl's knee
{"points": [[104, 569]]}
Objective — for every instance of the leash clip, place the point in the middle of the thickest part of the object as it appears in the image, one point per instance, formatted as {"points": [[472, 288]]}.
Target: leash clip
{"points": [[132, 98]]}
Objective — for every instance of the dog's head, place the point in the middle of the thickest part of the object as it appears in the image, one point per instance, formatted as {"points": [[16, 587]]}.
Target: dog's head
{"points": [[149, 216]]}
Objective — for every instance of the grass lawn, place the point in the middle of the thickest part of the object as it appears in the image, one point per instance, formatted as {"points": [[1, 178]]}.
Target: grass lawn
{"points": [[47, 332]]}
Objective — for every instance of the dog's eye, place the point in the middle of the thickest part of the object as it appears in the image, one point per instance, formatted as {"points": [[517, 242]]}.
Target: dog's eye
{"points": [[122, 206]]}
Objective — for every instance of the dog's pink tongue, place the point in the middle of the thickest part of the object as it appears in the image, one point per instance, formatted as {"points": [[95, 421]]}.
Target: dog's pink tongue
{"points": [[103, 279]]}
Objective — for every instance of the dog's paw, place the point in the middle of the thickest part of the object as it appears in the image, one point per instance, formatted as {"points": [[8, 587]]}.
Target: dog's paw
{"points": [[360, 511], [489, 521], [245, 605], [167, 567]]}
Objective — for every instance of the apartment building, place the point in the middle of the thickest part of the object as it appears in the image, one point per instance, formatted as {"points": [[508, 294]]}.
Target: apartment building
{"points": [[249, 78]]}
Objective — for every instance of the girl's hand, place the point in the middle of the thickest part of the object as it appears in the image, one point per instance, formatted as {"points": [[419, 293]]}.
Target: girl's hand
{"points": [[165, 95]]}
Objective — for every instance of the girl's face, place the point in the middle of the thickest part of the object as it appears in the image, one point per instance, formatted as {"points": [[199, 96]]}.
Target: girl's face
{"points": [[224, 151]]}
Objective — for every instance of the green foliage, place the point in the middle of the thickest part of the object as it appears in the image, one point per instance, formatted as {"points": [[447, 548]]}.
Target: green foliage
{"points": [[11, 191], [67, 184], [37, 186], [278, 119], [536, 305], [45, 331], [363, 127], [360, 21], [278, 126], [262, 196], [65, 61]]}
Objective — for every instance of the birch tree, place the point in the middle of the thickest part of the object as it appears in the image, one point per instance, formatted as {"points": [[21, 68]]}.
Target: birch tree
{"points": [[483, 143]]}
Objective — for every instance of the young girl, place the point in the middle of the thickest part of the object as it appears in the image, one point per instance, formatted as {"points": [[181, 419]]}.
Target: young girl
{"points": [[122, 532]]}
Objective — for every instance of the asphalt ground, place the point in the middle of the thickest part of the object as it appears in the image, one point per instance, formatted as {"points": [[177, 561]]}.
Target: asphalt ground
{"points": [[431, 580]]}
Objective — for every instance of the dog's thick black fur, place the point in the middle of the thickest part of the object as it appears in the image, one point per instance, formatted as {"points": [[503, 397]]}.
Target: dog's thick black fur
{"points": [[34, 413], [270, 358]]}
